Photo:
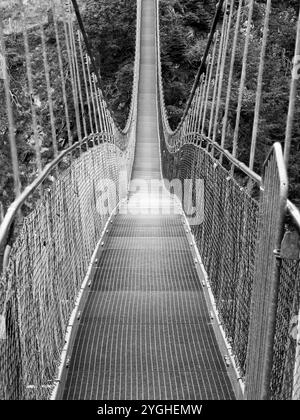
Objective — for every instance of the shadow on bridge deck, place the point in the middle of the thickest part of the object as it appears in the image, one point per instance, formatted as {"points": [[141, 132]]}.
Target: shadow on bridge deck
{"points": [[145, 331]]}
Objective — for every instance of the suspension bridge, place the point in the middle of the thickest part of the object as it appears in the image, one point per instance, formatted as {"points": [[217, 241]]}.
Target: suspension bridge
{"points": [[155, 264]]}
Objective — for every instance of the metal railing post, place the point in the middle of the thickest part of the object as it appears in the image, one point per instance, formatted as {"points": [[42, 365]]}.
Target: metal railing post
{"points": [[273, 203]]}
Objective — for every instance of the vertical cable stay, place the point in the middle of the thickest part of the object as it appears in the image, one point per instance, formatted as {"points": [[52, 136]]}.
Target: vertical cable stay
{"points": [[231, 71], [66, 25], [31, 89], [202, 99], [49, 92], [104, 112], [61, 69], [96, 70], [193, 110], [209, 80], [197, 115], [94, 80], [87, 95], [202, 67], [260, 84], [77, 87], [81, 103], [218, 74], [293, 95], [227, 26], [243, 79], [87, 59], [10, 117]]}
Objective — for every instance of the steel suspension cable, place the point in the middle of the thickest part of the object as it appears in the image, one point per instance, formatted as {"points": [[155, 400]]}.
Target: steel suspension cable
{"points": [[66, 24], [209, 80], [202, 100], [217, 76], [203, 103], [243, 79], [94, 81], [61, 69], [96, 70], [77, 76], [85, 81], [222, 70], [202, 66], [10, 117], [87, 59], [30, 87], [49, 93], [231, 71], [198, 105]]}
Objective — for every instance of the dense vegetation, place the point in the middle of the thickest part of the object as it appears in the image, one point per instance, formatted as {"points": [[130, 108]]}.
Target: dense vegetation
{"points": [[21, 103], [110, 25], [184, 27]]}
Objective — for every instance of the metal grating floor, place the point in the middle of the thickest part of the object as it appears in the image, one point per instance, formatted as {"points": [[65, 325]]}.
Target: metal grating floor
{"points": [[145, 331]]}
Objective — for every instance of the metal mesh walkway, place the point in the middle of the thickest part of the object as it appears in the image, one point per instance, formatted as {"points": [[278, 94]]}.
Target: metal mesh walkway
{"points": [[145, 332]]}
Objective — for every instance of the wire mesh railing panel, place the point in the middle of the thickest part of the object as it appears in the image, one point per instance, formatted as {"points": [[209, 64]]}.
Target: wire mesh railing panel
{"points": [[262, 336], [226, 238], [296, 385], [283, 379], [47, 265]]}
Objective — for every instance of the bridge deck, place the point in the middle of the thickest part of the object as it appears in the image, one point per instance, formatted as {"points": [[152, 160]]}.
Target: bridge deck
{"points": [[145, 332]]}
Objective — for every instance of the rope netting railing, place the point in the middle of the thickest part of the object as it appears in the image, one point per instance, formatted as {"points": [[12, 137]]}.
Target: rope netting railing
{"points": [[212, 144], [54, 223]]}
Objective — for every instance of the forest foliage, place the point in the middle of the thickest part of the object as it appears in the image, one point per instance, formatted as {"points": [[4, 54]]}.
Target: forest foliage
{"points": [[185, 24], [184, 28], [110, 26], [21, 99]]}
